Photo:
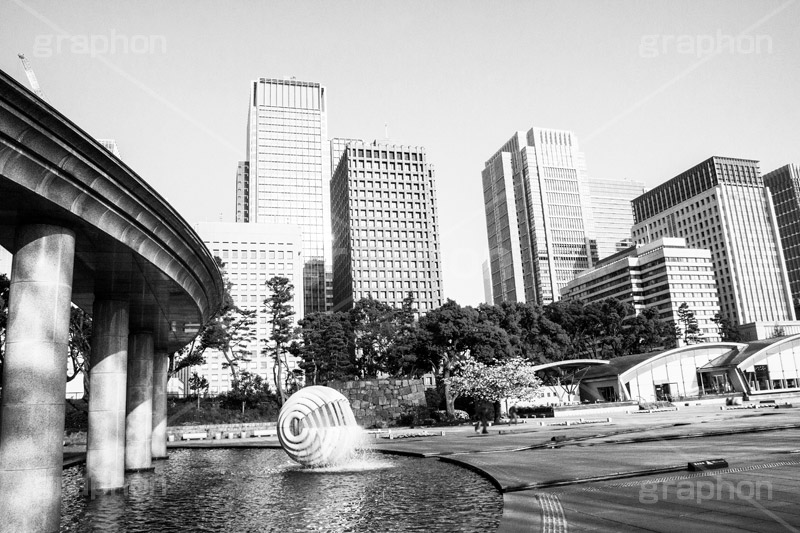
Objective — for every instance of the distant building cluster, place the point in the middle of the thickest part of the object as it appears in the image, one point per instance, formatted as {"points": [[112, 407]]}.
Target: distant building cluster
{"points": [[345, 219], [342, 218], [719, 237]]}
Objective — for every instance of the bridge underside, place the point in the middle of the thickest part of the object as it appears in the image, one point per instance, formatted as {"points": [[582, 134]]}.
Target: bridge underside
{"points": [[83, 228]]}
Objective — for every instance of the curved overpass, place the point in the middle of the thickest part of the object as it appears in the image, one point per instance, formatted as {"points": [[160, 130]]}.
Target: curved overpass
{"points": [[85, 228]]}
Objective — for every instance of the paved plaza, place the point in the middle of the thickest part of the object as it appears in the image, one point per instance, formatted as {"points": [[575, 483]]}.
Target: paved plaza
{"points": [[629, 474]]}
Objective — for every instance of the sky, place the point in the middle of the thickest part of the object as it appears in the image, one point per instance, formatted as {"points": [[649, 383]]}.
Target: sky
{"points": [[650, 88]]}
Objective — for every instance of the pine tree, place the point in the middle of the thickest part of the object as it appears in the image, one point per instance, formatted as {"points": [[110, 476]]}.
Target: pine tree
{"points": [[280, 313]]}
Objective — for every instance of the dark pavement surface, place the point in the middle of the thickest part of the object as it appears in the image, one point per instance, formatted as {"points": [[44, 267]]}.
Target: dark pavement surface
{"points": [[629, 474]]}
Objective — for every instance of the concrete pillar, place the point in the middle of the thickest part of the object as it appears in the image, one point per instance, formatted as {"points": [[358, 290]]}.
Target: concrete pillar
{"points": [[105, 448], [34, 379], [139, 406], [159, 444]]}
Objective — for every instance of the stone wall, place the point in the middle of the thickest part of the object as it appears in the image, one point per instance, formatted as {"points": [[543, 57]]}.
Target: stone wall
{"points": [[376, 402]]}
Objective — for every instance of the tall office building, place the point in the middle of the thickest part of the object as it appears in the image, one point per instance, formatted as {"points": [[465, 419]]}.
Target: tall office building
{"points": [[722, 205], [385, 226], [284, 179], [660, 275], [253, 254], [784, 186], [612, 213], [537, 208]]}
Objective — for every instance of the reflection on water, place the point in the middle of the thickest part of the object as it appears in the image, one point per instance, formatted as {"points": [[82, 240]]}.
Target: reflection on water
{"points": [[262, 490]]}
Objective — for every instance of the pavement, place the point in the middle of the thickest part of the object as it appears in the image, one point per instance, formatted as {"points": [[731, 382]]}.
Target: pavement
{"points": [[627, 474]]}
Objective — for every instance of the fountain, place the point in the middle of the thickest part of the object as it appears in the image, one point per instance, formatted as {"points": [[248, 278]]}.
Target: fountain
{"points": [[316, 427]]}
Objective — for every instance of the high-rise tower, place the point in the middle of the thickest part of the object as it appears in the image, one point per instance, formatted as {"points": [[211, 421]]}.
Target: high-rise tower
{"points": [[722, 205], [285, 177], [784, 186], [537, 208], [385, 226]]}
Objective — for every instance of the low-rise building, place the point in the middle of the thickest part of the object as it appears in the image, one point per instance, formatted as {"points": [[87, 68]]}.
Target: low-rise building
{"points": [[756, 370]]}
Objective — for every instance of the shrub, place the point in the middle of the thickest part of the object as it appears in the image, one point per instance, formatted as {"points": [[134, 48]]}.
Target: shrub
{"points": [[414, 415]]}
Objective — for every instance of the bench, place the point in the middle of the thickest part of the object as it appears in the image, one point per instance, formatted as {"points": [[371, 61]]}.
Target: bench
{"points": [[265, 433], [190, 436]]}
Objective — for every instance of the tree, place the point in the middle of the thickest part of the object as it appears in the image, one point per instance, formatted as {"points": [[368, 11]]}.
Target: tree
{"points": [[513, 378], [645, 332], [451, 333], [248, 388], [570, 315], [193, 354], [375, 325], [198, 385], [280, 313], [5, 284], [727, 331], [79, 347], [325, 348], [691, 331]]}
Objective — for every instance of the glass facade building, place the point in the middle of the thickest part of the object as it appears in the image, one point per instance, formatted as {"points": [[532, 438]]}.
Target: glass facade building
{"points": [[537, 215], [385, 226], [612, 213], [784, 186], [288, 170], [722, 205]]}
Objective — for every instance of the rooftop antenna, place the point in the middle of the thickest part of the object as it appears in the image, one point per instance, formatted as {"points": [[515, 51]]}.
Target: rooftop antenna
{"points": [[386, 130], [31, 76]]}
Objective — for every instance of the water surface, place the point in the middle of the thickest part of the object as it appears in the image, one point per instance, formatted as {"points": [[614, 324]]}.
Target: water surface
{"points": [[262, 490]]}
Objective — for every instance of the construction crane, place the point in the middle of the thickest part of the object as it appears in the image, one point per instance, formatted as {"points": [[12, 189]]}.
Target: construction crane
{"points": [[31, 76]]}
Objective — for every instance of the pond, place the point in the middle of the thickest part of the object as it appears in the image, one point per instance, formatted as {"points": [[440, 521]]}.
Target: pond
{"points": [[262, 490]]}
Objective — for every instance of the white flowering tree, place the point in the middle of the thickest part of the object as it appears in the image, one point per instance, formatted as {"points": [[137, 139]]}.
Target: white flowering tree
{"points": [[511, 378]]}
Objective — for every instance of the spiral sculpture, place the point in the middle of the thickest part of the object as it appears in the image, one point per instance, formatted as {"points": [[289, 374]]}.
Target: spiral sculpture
{"points": [[316, 427]]}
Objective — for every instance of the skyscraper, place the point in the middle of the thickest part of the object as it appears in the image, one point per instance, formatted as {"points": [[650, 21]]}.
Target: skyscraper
{"points": [[722, 205], [385, 226], [612, 214], [784, 186], [284, 179], [537, 205]]}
